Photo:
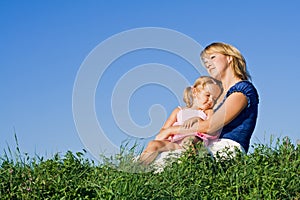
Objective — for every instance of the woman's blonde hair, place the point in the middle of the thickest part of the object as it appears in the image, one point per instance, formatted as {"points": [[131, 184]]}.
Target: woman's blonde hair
{"points": [[202, 82], [238, 63]]}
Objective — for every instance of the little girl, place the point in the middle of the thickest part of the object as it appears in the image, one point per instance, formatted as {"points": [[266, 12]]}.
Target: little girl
{"points": [[200, 99]]}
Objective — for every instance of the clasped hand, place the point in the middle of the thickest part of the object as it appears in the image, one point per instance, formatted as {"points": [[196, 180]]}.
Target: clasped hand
{"points": [[191, 123]]}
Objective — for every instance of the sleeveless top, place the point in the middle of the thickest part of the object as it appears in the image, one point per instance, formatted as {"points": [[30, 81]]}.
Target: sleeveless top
{"points": [[241, 128], [185, 114]]}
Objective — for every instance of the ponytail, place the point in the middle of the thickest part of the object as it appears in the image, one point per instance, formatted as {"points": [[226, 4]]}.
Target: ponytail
{"points": [[188, 96]]}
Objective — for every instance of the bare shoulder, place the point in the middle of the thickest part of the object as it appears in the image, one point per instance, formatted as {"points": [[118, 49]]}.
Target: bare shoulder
{"points": [[176, 110]]}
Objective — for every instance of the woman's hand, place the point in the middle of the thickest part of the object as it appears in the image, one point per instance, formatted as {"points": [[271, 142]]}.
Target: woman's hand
{"points": [[163, 134], [192, 122]]}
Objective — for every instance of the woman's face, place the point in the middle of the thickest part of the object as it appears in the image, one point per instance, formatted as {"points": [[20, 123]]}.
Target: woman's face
{"points": [[216, 64]]}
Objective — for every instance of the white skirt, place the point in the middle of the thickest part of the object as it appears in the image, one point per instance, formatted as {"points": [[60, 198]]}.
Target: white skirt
{"points": [[226, 148]]}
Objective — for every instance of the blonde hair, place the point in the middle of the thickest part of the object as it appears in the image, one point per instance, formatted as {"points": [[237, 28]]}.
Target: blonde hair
{"points": [[202, 82], [238, 63]]}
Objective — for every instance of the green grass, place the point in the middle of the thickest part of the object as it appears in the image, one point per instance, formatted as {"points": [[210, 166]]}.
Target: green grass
{"points": [[267, 173]]}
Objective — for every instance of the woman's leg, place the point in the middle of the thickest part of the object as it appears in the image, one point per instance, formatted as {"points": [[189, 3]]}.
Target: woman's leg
{"points": [[225, 148]]}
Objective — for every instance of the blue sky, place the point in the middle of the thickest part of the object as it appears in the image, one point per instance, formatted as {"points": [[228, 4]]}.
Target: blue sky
{"points": [[43, 46]]}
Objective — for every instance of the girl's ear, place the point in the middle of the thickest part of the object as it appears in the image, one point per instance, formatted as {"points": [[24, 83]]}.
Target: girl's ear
{"points": [[194, 91]]}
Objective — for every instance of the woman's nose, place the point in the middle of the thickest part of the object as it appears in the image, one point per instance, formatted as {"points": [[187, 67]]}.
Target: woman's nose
{"points": [[207, 64]]}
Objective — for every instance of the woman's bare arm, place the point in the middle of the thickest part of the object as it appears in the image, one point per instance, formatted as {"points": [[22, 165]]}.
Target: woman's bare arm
{"points": [[231, 108]]}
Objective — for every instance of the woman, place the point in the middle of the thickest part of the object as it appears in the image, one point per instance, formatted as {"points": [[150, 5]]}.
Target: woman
{"points": [[236, 115]]}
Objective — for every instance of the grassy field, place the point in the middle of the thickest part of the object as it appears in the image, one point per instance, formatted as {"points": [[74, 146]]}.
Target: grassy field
{"points": [[267, 173]]}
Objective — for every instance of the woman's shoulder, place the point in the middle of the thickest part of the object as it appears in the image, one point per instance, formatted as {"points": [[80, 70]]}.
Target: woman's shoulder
{"points": [[243, 86], [247, 88]]}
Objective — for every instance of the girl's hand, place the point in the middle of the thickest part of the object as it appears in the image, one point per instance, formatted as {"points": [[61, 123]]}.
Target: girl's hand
{"points": [[191, 122]]}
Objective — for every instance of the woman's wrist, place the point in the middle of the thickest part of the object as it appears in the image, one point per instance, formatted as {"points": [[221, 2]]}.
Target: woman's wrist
{"points": [[204, 127], [163, 134]]}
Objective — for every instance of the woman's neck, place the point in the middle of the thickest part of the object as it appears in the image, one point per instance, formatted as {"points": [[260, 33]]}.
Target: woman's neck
{"points": [[229, 81]]}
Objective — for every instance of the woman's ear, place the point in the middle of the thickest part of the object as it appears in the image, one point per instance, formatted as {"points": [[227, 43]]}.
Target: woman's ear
{"points": [[229, 59]]}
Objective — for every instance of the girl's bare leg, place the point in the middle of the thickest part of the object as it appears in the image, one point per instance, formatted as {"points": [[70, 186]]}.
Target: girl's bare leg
{"points": [[154, 148], [190, 142]]}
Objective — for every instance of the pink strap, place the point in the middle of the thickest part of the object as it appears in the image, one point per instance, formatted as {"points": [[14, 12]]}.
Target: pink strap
{"points": [[205, 137]]}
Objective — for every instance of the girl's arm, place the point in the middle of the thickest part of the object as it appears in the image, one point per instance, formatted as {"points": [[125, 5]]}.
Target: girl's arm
{"points": [[169, 122], [172, 119]]}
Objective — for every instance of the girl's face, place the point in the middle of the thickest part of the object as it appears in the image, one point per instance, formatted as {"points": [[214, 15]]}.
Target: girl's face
{"points": [[216, 64], [205, 98]]}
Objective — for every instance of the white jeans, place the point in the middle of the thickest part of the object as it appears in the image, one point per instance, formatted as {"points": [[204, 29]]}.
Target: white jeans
{"points": [[224, 147]]}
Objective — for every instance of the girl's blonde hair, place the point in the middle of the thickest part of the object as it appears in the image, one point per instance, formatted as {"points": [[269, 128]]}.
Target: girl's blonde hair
{"points": [[238, 63], [202, 82]]}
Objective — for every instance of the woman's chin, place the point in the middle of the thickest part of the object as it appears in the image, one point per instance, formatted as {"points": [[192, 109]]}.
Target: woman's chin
{"points": [[215, 74]]}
